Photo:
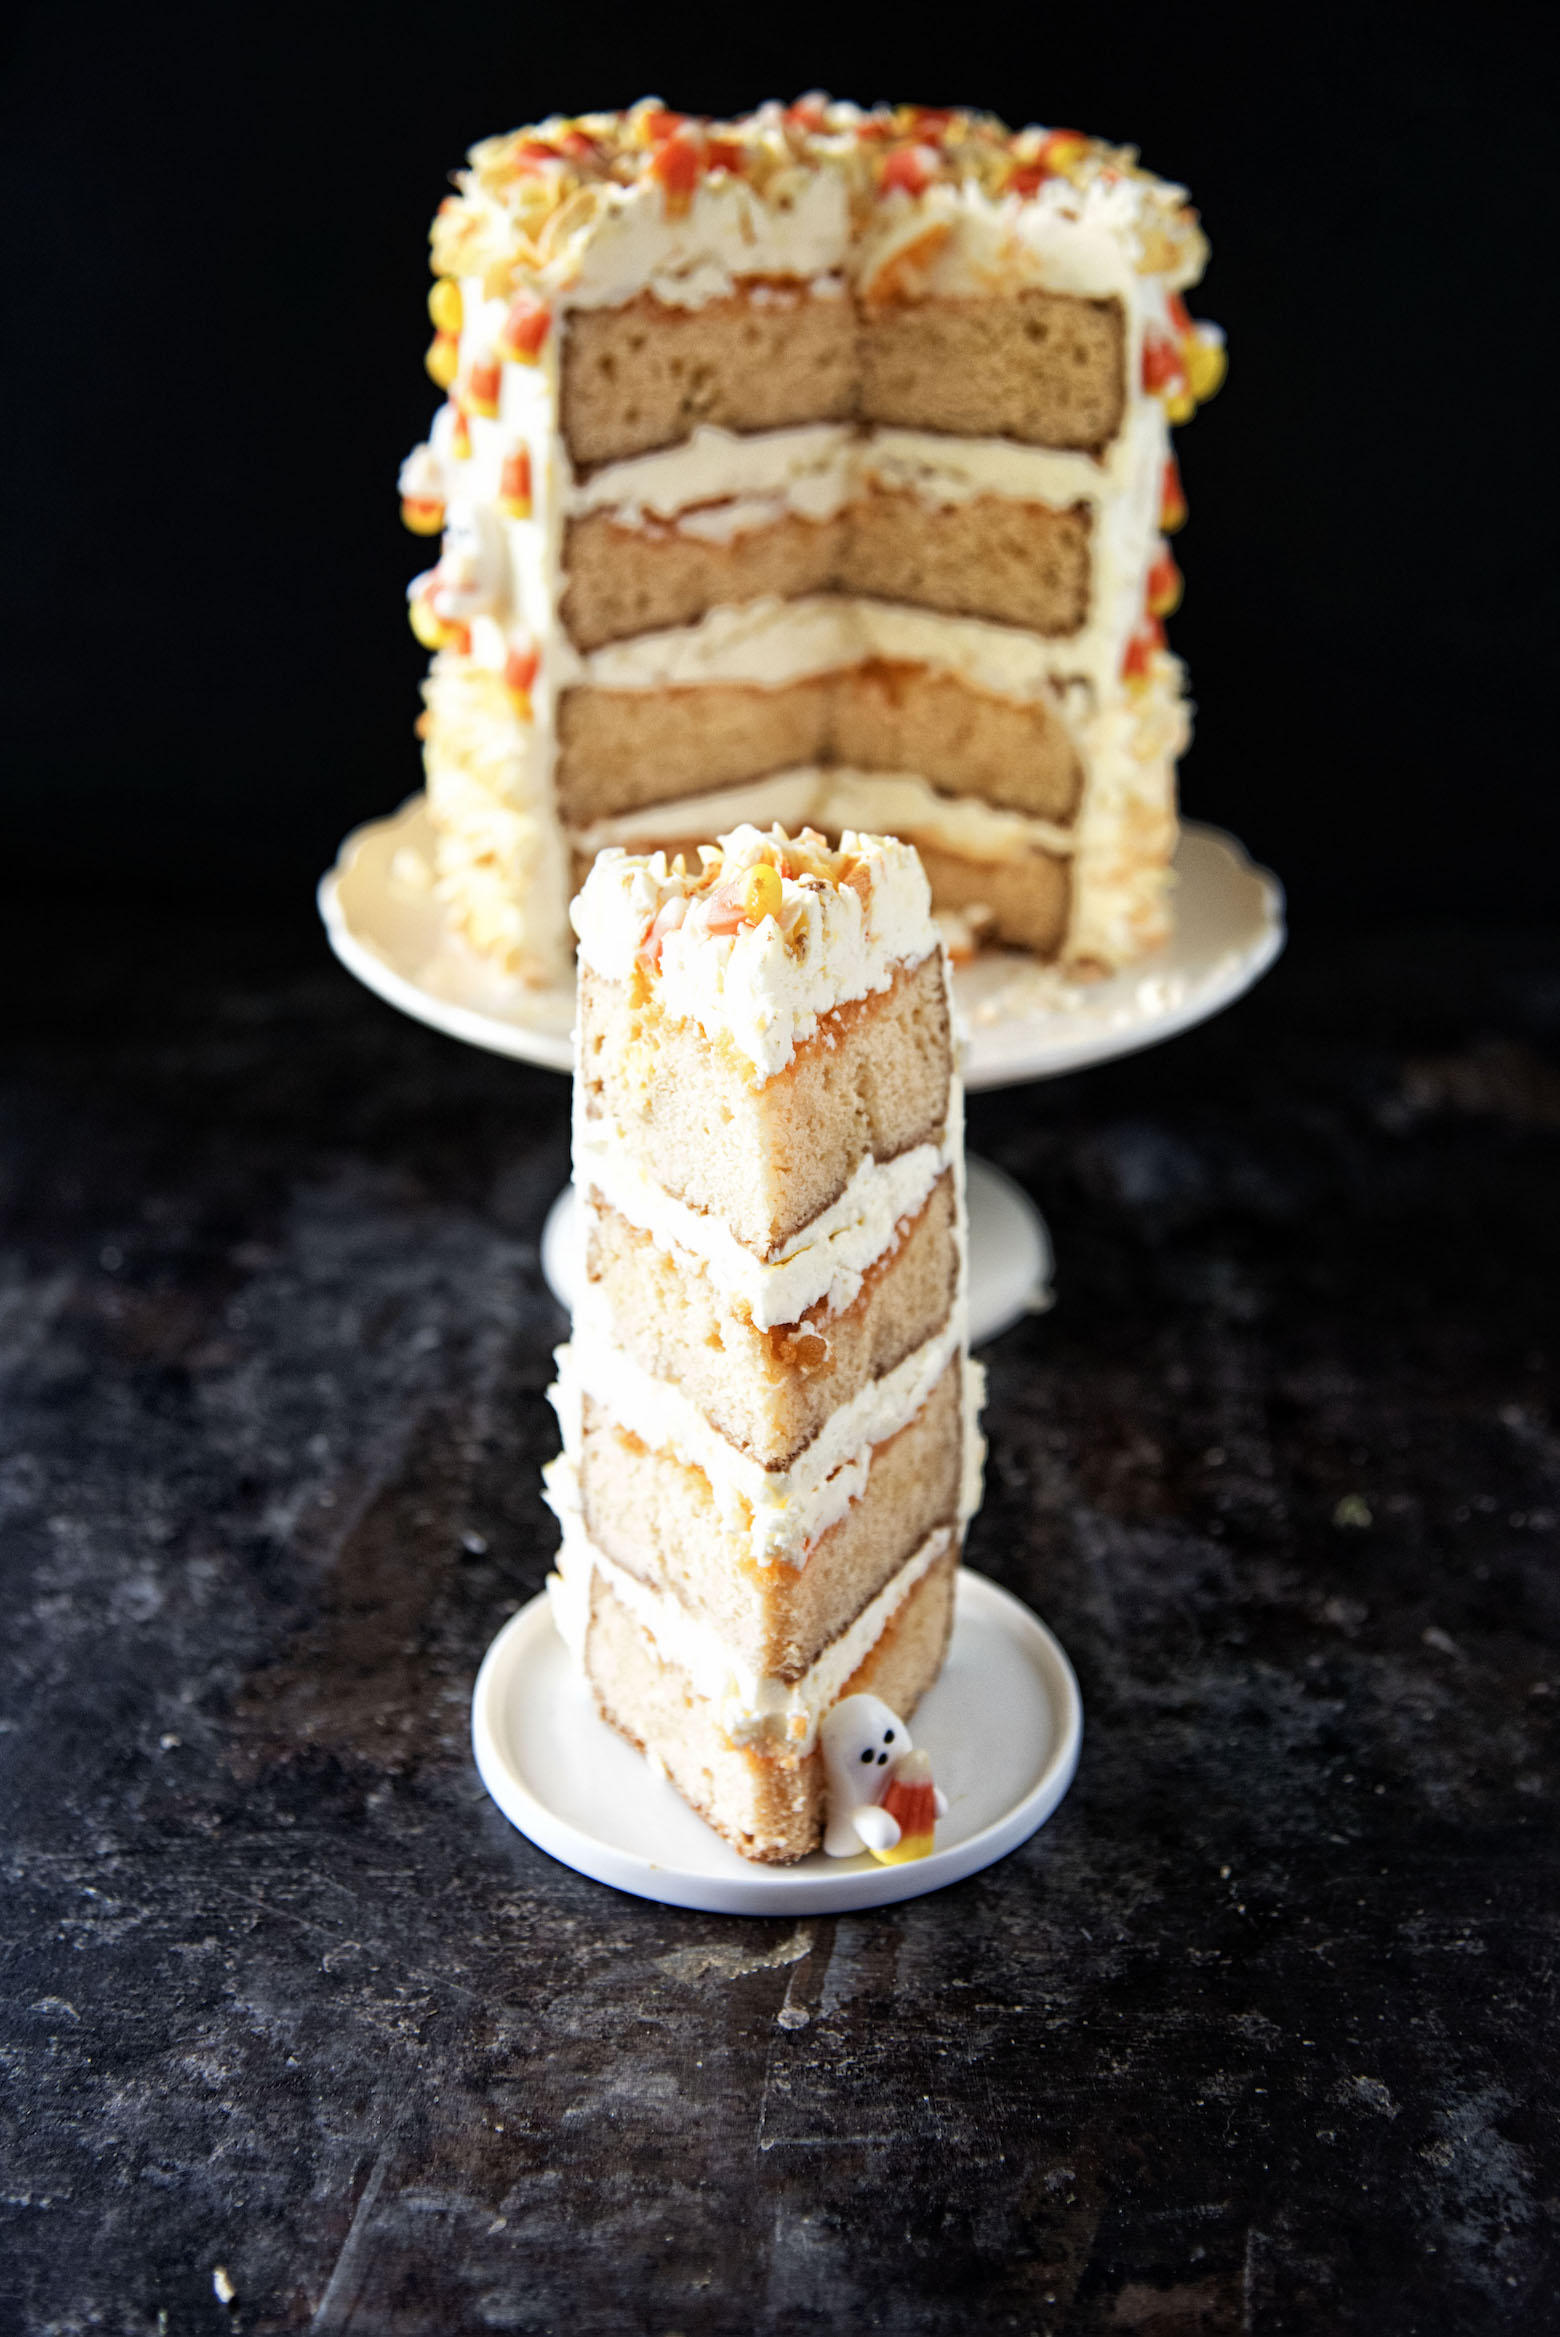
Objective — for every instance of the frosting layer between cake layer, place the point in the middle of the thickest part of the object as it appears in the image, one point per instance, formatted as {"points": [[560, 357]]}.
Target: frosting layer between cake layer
{"points": [[753, 1708]]}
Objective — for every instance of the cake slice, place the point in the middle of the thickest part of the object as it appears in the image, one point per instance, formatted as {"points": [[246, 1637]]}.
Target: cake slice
{"points": [[770, 1449]]}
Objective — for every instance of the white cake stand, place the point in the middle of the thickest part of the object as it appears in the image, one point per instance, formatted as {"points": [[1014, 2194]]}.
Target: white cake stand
{"points": [[1025, 1022]]}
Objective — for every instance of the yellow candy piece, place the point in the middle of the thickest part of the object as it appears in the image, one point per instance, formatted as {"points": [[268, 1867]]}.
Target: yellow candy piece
{"points": [[907, 1848], [1181, 407], [1062, 151], [422, 517], [445, 305], [443, 359], [761, 892], [425, 624], [1206, 366]]}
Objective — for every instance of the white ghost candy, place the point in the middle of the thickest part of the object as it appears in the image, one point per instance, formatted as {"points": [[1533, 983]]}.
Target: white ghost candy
{"points": [[861, 1740]]}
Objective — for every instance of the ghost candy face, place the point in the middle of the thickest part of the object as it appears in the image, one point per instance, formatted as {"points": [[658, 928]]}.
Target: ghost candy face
{"points": [[860, 1740]]}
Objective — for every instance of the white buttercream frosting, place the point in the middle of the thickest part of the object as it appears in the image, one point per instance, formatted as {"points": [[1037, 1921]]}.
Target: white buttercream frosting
{"points": [[843, 925], [834, 797], [752, 1707], [782, 1512], [825, 1263]]}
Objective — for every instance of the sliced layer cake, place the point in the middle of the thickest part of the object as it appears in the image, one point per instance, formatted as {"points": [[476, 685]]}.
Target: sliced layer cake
{"points": [[770, 1449], [811, 467]]}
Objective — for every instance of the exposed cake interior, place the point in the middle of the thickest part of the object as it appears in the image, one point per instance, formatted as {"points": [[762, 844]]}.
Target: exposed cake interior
{"points": [[814, 467], [769, 1439]]}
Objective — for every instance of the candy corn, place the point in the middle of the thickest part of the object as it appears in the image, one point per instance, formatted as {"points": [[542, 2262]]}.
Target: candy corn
{"points": [[1136, 664], [445, 306], [443, 359], [910, 1799], [1172, 500], [482, 388], [1163, 596], [526, 328], [514, 483], [520, 670]]}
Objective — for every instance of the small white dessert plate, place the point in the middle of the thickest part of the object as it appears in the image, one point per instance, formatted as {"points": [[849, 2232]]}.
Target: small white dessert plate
{"points": [[1003, 1725], [1025, 1021]]}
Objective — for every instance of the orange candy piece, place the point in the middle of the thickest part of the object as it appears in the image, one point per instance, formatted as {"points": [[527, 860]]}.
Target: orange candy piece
{"points": [[521, 667], [1172, 500], [910, 1798], [910, 167], [526, 328], [514, 483], [1164, 366], [482, 388], [1164, 586], [1140, 651], [678, 163]]}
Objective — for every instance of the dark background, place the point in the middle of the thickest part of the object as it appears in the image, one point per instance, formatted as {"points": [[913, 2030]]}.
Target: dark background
{"points": [[217, 222]]}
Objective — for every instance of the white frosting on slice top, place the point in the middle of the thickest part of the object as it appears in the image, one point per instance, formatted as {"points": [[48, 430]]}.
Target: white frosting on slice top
{"points": [[768, 936]]}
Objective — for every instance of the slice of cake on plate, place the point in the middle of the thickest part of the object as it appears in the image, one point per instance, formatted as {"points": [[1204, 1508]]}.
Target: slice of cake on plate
{"points": [[769, 1419], [813, 467]]}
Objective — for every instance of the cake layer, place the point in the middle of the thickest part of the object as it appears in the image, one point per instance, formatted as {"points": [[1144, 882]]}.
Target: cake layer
{"points": [[826, 1261], [622, 749], [647, 374], [657, 1517], [768, 1805], [991, 556], [1027, 901], [776, 1513], [618, 749], [627, 580], [768, 1392], [872, 1082], [892, 716], [1045, 368]]}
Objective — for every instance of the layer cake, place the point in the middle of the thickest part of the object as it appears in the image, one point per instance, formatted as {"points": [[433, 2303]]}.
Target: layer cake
{"points": [[812, 467], [770, 1447]]}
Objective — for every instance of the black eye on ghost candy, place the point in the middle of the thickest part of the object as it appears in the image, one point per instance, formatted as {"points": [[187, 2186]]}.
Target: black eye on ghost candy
{"points": [[867, 1755], [882, 1760], [888, 1736]]}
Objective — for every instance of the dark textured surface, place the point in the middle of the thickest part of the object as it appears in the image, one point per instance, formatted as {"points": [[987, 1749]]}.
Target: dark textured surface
{"points": [[1257, 2035]]}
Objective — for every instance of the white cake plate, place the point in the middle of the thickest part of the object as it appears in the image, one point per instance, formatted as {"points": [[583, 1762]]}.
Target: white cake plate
{"points": [[1002, 1723], [386, 925]]}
